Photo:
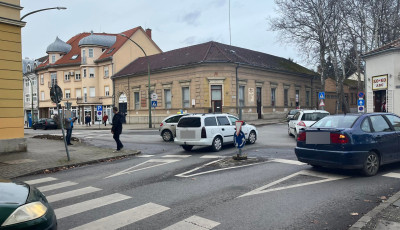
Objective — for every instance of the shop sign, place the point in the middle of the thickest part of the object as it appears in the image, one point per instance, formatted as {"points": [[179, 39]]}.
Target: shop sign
{"points": [[380, 82]]}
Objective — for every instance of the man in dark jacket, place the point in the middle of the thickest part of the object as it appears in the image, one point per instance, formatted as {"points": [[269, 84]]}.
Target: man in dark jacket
{"points": [[117, 128]]}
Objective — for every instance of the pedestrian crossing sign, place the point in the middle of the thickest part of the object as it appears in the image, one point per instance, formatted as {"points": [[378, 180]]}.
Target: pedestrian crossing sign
{"points": [[322, 103]]}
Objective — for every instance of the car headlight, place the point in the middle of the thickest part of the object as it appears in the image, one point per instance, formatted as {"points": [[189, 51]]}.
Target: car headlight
{"points": [[26, 212]]}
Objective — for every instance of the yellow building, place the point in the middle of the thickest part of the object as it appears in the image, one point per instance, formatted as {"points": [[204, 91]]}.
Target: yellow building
{"points": [[82, 67], [11, 98]]}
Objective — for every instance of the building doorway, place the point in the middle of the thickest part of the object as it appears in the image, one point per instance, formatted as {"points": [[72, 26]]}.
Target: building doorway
{"points": [[216, 98], [380, 101], [259, 112]]}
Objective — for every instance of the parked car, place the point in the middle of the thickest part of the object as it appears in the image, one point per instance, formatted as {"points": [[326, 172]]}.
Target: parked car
{"points": [[213, 130], [24, 207], [45, 123], [304, 119], [291, 114], [357, 141], [168, 127]]}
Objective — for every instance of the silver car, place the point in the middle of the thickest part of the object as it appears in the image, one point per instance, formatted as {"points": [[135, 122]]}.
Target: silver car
{"points": [[168, 127]]}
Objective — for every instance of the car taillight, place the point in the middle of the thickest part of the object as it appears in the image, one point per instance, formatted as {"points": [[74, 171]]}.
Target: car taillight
{"points": [[301, 124], [161, 124], [203, 132], [337, 138], [301, 136]]}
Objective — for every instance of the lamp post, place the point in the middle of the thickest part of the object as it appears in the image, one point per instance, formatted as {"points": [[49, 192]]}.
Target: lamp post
{"points": [[148, 75], [52, 8]]}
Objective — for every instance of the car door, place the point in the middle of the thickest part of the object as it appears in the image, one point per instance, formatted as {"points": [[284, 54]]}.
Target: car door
{"points": [[226, 129], [385, 137], [293, 122], [40, 124], [395, 122], [172, 122]]}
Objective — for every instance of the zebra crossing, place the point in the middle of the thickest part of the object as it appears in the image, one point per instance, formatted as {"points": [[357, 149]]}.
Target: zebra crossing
{"points": [[128, 217]]}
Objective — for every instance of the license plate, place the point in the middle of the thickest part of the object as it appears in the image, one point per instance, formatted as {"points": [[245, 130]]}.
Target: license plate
{"points": [[315, 138], [188, 134]]}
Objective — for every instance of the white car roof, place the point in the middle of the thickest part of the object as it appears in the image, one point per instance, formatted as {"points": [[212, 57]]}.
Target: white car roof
{"points": [[315, 111]]}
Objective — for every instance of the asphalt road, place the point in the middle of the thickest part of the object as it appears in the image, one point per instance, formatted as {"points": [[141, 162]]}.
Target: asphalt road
{"points": [[168, 187]]}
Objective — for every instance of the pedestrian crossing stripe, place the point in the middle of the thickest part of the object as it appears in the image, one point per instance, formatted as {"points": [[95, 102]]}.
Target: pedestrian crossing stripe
{"points": [[176, 156], [124, 218], [145, 155], [40, 181], [325, 177], [89, 205], [285, 161], [56, 186], [211, 157], [393, 175], [145, 165], [194, 223], [71, 194]]}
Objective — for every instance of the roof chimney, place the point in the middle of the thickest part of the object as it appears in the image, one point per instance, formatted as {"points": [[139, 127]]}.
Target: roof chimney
{"points": [[148, 32]]}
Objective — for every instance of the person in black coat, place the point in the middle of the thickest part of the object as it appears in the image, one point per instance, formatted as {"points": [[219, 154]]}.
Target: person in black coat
{"points": [[116, 129]]}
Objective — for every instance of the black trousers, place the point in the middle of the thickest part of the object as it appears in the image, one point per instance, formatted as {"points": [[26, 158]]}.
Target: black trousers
{"points": [[119, 144], [68, 137]]}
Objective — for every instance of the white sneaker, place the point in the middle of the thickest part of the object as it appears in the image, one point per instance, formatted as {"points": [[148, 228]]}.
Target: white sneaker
{"points": [[116, 151]]}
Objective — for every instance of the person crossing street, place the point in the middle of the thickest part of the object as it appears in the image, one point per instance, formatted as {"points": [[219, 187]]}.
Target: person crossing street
{"points": [[116, 129]]}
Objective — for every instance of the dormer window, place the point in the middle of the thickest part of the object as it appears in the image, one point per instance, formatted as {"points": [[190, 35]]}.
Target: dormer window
{"points": [[28, 68], [53, 58], [74, 57]]}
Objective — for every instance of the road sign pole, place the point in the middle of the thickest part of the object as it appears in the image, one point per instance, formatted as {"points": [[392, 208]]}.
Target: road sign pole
{"points": [[62, 125]]}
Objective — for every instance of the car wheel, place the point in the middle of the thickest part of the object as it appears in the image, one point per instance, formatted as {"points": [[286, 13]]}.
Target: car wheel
{"points": [[167, 135], [252, 137], [371, 164], [216, 144], [187, 147], [288, 131], [34, 128]]}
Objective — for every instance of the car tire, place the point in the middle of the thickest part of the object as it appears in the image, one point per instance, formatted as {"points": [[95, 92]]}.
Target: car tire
{"points": [[187, 147], [34, 128], [288, 131], [167, 135], [216, 144], [252, 137], [371, 164]]}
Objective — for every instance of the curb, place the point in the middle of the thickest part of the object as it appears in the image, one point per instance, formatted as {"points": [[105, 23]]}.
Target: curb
{"points": [[363, 221], [68, 166]]}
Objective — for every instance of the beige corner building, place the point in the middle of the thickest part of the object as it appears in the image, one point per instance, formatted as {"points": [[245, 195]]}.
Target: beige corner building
{"points": [[11, 96], [82, 67]]}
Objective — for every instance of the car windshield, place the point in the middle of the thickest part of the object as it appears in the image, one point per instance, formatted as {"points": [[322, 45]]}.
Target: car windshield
{"points": [[313, 116], [189, 122], [344, 121], [293, 111]]}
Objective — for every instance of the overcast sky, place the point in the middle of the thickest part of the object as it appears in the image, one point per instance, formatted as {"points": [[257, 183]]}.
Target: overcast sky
{"points": [[174, 23]]}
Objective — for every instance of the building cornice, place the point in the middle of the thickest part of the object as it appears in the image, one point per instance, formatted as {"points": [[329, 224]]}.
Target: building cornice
{"points": [[11, 5], [12, 22]]}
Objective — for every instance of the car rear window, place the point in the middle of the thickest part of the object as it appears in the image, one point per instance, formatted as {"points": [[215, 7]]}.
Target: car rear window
{"points": [[345, 121], [313, 116], [189, 122]]}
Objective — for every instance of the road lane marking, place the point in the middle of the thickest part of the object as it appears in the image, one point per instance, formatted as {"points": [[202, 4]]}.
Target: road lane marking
{"points": [[124, 218], [211, 157], [393, 175], [326, 177], [39, 181], [285, 161], [70, 194], [176, 156], [151, 164], [89, 205], [56, 186], [187, 173], [145, 155], [194, 223]]}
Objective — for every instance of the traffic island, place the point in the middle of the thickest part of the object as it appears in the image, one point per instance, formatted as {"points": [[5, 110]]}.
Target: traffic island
{"points": [[239, 157]]}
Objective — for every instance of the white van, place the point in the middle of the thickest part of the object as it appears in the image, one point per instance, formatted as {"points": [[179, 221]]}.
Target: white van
{"points": [[212, 130]]}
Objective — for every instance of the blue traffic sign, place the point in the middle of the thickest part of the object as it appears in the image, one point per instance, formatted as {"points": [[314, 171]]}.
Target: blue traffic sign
{"points": [[154, 104], [360, 108], [360, 94], [99, 108], [321, 95], [360, 102]]}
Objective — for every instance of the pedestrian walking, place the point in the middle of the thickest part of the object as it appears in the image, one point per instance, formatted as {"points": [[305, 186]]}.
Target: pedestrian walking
{"points": [[116, 129], [88, 120], [105, 118], [69, 125]]}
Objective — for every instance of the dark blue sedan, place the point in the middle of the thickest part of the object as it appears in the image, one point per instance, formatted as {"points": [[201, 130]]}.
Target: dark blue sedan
{"points": [[353, 141]]}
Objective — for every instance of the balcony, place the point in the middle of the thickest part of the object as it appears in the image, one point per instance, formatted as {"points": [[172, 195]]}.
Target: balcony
{"points": [[88, 100]]}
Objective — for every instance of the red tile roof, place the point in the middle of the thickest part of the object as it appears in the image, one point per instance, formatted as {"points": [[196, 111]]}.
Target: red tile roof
{"points": [[76, 50], [211, 52], [388, 46]]}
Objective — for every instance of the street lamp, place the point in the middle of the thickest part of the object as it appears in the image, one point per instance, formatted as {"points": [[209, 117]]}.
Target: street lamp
{"points": [[148, 74], [52, 8]]}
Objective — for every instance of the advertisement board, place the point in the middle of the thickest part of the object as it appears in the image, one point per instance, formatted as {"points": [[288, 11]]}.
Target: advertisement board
{"points": [[380, 82]]}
